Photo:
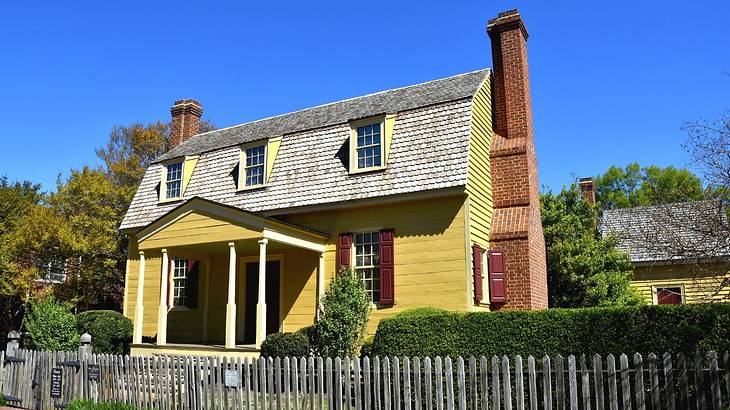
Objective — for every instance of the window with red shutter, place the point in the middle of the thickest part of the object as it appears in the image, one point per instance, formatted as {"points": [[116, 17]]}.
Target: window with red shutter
{"points": [[497, 277], [477, 268], [387, 274], [344, 250]]}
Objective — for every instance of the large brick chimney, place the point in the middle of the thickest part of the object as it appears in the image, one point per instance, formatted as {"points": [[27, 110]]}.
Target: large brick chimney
{"points": [[185, 120], [516, 224]]}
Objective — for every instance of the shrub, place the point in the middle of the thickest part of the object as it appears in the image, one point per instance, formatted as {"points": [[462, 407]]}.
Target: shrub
{"points": [[285, 344], [310, 332], [658, 329], [344, 318], [367, 347], [110, 331], [51, 326], [90, 405], [2, 400]]}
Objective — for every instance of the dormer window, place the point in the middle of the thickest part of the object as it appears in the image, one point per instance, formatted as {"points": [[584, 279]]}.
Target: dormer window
{"points": [[253, 171], [173, 180], [367, 145]]}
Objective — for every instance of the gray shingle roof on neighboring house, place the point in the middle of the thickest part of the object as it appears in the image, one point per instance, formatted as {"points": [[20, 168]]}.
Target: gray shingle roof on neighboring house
{"points": [[429, 151], [670, 233]]}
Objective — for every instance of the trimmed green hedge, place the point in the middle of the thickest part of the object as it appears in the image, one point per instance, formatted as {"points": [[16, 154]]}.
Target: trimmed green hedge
{"points": [[110, 331], [285, 345], [681, 328]]}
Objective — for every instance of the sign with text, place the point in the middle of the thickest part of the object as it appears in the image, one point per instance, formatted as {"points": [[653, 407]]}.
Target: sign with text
{"points": [[232, 379], [94, 372], [56, 383]]}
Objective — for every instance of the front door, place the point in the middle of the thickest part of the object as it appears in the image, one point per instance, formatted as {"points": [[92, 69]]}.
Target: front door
{"points": [[252, 297]]}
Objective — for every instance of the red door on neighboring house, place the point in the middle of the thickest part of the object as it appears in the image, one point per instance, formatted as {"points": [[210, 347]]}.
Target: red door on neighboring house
{"points": [[669, 296]]}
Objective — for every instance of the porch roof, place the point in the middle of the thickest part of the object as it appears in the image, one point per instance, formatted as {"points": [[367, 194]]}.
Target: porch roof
{"points": [[199, 221]]}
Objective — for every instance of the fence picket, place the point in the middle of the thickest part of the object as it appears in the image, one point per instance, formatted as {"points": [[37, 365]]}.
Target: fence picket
{"points": [[726, 364], [572, 383], [407, 383], [639, 382], [683, 381], [319, 376], [348, 382], [427, 383], [625, 381], [358, 384], [699, 382], [439, 385], [338, 384], [559, 382], [715, 381], [668, 381], [330, 383], [585, 382], [506, 383], [294, 383], [376, 383], [496, 394], [417, 383], [386, 383], [612, 387], [598, 381], [461, 382], [449, 384], [396, 383], [532, 381], [366, 377], [547, 383], [474, 395]]}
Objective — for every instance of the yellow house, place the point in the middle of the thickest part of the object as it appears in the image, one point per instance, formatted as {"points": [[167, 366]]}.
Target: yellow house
{"points": [[235, 233], [680, 252]]}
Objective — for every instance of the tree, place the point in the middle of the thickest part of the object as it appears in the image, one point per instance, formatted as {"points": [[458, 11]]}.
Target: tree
{"points": [[634, 185], [584, 269]]}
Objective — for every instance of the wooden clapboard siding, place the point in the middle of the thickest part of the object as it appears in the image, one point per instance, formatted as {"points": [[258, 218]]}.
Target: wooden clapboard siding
{"points": [[152, 272], [195, 228], [479, 178], [700, 282], [430, 250]]}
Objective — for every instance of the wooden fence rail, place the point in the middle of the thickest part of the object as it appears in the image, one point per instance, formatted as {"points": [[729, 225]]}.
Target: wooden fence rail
{"points": [[43, 380]]}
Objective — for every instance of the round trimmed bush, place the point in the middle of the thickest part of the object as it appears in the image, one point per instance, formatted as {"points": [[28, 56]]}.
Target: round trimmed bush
{"points": [[51, 326], [110, 331], [285, 345]]}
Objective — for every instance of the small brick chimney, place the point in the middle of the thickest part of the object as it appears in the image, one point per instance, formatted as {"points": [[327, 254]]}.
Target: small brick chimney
{"points": [[587, 190], [185, 121], [516, 223]]}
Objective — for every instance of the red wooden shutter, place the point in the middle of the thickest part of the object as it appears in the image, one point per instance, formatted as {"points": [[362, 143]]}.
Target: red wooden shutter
{"points": [[191, 284], [344, 250], [477, 255], [387, 277], [497, 277]]}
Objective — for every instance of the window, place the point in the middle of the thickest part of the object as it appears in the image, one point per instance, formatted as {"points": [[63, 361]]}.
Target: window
{"points": [[367, 262], [255, 165], [179, 282], [669, 295], [173, 180], [369, 146]]}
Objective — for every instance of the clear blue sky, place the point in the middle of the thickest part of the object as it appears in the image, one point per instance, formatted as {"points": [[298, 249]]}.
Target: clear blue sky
{"points": [[611, 83]]}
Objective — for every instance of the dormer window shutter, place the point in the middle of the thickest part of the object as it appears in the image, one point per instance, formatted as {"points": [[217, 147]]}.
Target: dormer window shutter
{"points": [[497, 277], [344, 250], [191, 300], [477, 260], [387, 275]]}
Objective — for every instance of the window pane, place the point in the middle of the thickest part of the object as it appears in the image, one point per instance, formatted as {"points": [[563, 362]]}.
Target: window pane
{"points": [[254, 171], [367, 251]]}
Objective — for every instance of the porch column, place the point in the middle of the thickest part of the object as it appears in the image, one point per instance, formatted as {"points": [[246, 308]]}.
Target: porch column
{"points": [[231, 306], [320, 283], [261, 305], [162, 312], [139, 310]]}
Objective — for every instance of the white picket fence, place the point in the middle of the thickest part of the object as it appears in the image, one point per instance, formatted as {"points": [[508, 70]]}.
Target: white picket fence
{"points": [[391, 383]]}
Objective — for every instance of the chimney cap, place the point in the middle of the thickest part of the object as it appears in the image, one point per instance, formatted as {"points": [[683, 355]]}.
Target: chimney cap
{"points": [[505, 21], [187, 105], [585, 180]]}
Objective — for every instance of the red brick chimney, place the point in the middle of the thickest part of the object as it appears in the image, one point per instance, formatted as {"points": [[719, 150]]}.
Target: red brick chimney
{"points": [[587, 190], [516, 224], [185, 120]]}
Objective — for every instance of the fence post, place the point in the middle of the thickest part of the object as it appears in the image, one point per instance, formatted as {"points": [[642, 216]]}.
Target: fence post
{"points": [[84, 345], [11, 350]]}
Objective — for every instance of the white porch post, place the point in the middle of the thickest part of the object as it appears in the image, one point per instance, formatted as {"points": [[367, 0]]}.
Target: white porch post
{"points": [[261, 305], [162, 312], [231, 306], [139, 310], [320, 283]]}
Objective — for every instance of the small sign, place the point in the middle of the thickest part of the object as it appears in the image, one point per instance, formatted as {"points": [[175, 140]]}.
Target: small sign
{"points": [[94, 372], [56, 383], [232, 379]]}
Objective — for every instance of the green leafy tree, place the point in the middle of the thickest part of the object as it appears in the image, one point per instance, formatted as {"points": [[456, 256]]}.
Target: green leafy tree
{"points": [[634, 185], [51, 326], [584, 269], [344, 317]]}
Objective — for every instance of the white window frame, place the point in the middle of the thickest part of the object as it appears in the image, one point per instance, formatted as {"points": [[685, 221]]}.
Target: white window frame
{"points": [[355, 268], [655, 291], [163, 186], [176, 278], [242, 166], [354, 125]]}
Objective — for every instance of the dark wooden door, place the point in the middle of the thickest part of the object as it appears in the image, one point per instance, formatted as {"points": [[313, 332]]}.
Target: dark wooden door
{"points": [[273, 281]]}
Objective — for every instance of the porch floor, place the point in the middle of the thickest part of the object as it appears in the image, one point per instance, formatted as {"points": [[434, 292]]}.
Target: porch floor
{"points": [[177, 349]]}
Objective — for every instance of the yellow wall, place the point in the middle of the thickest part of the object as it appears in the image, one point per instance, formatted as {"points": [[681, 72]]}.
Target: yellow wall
{"points": [[700, 281], [479, 178], [429, 250]]}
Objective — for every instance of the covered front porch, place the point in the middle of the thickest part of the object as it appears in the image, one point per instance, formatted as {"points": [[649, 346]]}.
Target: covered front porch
{"points": [[212, 279]]}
